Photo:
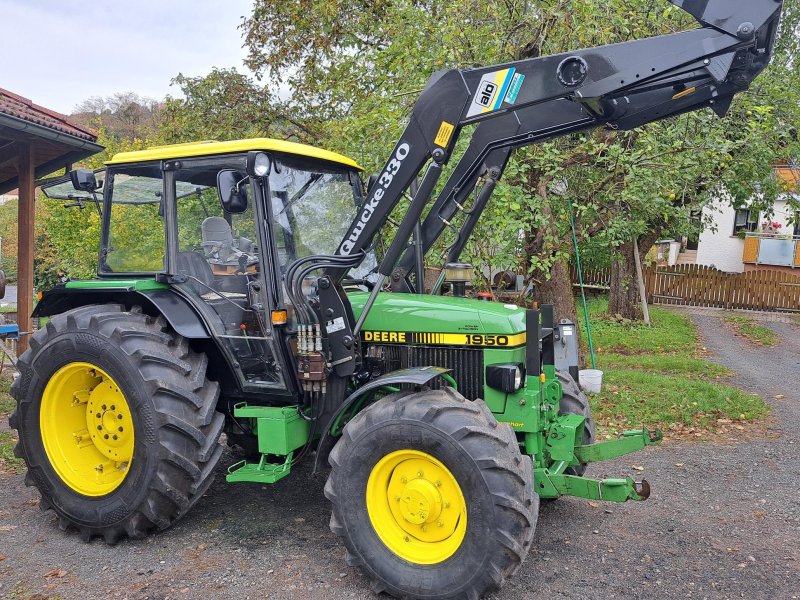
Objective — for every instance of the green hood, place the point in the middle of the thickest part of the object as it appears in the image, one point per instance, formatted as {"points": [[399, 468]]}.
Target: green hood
{"points": [[444, 314]]}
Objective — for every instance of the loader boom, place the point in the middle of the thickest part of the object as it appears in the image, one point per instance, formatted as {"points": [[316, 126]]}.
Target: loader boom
{"points": [[620, 86]]}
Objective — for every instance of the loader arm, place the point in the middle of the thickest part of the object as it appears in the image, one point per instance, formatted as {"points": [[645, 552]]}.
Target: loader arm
{"points": [[621, 86]]}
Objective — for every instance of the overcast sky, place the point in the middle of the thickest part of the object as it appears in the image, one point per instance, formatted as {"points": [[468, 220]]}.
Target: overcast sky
{"points": [[60, 52]]}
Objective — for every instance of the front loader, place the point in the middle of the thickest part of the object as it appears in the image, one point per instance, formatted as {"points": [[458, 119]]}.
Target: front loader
{"points": [[239, 292]]}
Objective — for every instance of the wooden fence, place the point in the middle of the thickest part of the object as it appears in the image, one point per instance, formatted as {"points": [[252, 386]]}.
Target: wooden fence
{"points": [[697, 285]]}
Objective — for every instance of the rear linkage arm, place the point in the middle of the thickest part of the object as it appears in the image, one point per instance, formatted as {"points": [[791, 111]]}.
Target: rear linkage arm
{"points": [[621, 86]]}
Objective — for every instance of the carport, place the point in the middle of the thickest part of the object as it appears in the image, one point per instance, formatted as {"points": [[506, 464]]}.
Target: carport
{"points": [[34, 142]]}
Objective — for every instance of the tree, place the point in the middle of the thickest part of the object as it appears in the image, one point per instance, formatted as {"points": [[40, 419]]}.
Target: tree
{"points": [[351, 71], [124, 115]]}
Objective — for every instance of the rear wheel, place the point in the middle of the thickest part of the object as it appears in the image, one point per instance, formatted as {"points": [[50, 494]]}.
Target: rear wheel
{"points": [[116, 421], [431, 496], [575, 402]]}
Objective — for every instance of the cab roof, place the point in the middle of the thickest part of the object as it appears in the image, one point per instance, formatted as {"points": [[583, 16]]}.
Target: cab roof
{"points": [[209, 148]]}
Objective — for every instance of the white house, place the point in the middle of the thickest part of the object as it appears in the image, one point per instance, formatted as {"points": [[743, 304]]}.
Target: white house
{"points": [[743, 239]]}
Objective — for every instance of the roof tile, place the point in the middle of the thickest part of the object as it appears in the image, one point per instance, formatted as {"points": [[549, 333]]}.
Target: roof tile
{"points": [[16, 106]]}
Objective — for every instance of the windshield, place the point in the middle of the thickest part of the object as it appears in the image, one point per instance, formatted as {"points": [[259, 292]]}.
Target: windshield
{"points": [[312, 207]]}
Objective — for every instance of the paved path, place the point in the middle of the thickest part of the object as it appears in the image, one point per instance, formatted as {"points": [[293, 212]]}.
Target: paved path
{"points": [[756, 315], [724, 524], [10, 298]]}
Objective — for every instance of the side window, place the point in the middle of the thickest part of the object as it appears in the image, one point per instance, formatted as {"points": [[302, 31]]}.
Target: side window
{"points": [[136, 241]]}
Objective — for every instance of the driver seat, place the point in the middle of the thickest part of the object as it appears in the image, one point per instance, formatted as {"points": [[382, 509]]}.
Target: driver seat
{"points": [[218, 240]]}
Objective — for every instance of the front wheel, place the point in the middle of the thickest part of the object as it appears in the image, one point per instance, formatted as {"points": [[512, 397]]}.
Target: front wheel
{"points": [[432, 496]]}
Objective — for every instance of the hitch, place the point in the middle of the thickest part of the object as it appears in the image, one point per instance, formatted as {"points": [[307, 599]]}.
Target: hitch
{"points": [[628, 442], [549, 485]]}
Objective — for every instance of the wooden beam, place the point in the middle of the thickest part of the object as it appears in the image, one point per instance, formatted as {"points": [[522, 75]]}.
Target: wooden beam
{"points": [[25, 239]]}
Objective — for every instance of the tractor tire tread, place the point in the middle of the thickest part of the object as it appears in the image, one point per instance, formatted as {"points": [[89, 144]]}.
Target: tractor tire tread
{"points": [[495, 452], [187, 426]]}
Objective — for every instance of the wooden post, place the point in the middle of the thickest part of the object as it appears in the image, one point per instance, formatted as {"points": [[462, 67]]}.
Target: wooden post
{"points": [[640, 281], [25, 224]]}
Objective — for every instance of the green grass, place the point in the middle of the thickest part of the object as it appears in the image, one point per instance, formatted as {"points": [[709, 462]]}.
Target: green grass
{"points": [[7, 440], [4, 310], [655, 376], [7, 403], [7, 458], [751, 330]]}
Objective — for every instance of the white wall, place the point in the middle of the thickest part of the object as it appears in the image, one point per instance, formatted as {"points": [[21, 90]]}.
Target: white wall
{"points": [[719, 247]]}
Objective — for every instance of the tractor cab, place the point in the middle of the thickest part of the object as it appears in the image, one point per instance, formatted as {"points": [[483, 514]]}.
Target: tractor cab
{"points": [[220, 222]]}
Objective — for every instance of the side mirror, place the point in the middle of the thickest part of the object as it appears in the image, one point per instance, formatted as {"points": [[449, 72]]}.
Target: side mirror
{"points": [[231, 196], [83, 180]]}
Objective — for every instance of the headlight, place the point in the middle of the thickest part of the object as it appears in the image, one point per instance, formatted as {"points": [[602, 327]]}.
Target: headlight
{"points": [[258, 163], [507, 378]]}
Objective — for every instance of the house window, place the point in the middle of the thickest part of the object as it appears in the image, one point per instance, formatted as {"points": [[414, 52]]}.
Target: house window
{"points": [[797, 224], [746, 220]]}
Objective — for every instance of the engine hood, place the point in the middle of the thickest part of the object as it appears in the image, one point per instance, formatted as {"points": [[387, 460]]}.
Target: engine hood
{"points": [[438, 314]]}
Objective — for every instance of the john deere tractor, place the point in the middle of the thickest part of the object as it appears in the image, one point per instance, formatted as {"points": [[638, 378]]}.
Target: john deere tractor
{"points": [[243, 289]]}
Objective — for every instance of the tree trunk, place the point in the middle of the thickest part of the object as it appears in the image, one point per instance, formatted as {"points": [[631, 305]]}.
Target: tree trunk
{"points": [[558, 291], [623, 298]]}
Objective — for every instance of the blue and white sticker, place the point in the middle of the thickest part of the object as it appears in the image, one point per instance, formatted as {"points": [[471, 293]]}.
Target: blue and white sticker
{"points": [[492, 90], [514, 88]]}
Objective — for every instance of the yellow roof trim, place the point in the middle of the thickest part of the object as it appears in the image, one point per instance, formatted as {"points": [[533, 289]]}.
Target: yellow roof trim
{"points": [[208, 148]]}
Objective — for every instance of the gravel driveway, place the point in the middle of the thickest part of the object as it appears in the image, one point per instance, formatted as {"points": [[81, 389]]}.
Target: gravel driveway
{"points": [[723, 522]]}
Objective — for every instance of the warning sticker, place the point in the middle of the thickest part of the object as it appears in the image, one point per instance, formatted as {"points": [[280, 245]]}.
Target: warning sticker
{"points": [[445, 132], [335, 325], [491, 91]]}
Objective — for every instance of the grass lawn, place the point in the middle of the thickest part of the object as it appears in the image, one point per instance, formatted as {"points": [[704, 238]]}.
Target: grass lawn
{"points": [[7, 440], [655, 376], [750, 329]]}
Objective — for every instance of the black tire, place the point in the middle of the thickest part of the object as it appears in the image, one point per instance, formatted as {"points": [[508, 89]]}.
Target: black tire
{"points": [[484, 458], [172, 405], [575, 402]]}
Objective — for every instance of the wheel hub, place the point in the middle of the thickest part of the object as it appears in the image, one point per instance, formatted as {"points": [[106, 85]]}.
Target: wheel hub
{"points": [[416, 507], [109, 420], [87, 429]]}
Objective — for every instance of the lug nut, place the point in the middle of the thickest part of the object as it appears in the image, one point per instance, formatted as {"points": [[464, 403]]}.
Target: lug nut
{"points": [[105, 436], [103, 407], [115, 436], [119, 429], [99, 428], [119, 417], [113, 407], [98, 415]]}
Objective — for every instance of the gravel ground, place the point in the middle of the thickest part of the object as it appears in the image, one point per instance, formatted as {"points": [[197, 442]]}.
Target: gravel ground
{"points": [[723, 522]]}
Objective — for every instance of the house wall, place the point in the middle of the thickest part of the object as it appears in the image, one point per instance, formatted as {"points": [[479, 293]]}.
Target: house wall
{"points": [[719, 248]]}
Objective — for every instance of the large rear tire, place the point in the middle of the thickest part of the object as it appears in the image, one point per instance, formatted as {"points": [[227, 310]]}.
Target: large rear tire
{"points": [[432, 496], [575, 402], [116, 422]]}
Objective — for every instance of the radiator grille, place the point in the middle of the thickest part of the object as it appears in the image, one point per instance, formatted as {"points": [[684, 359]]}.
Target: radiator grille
{"points": [[466, 364]]}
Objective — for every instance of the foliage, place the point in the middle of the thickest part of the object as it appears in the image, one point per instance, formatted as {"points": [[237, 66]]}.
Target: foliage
{"points": [[123, 116], [752, 331], [654, 376], [351, 72]]}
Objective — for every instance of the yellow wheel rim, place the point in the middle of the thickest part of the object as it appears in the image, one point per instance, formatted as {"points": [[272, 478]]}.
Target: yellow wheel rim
{"points": [[416, 507], [87, 429]]}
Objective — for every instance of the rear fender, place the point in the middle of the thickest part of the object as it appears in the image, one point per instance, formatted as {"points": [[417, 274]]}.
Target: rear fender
{"points": [[180, 315]]}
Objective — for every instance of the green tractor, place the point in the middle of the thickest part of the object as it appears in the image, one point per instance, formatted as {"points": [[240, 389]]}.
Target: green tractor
{"points": [[243, 288]]}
